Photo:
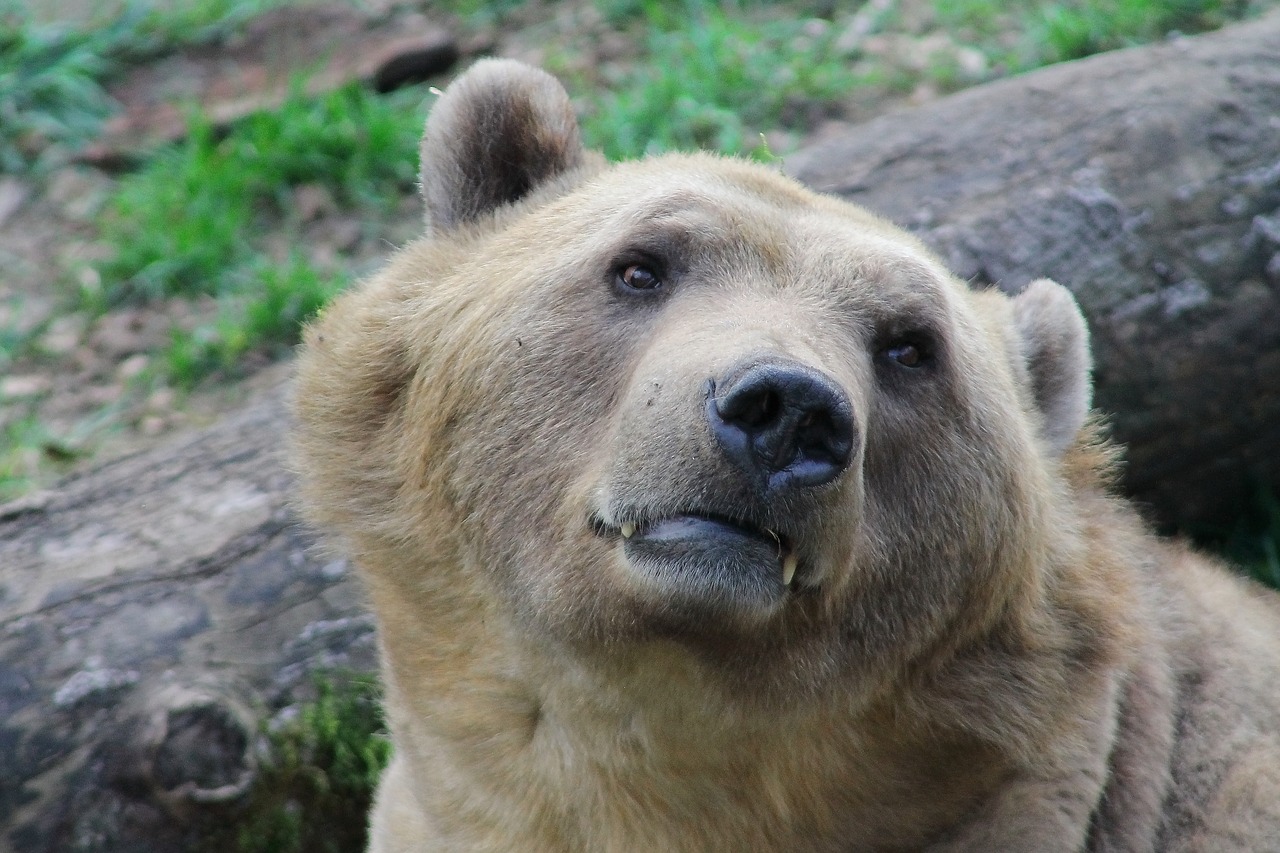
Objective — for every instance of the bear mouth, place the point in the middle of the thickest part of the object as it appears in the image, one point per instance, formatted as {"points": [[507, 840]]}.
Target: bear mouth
{"points": [[710, 560]]}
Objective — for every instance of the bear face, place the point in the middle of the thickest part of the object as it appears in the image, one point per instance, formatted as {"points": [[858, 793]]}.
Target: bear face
{"points": [[671, 475], [684, 398], [613, 398]]}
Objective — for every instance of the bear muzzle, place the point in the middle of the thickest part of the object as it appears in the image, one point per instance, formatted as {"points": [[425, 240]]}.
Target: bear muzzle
{"points": [[735, 528]]}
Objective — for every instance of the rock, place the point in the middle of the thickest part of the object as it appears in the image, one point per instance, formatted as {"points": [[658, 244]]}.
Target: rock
{"points": [[13, 194], [20, 387]]}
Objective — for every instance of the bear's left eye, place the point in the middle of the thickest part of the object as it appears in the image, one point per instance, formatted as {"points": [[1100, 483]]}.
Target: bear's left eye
{"points": [[910, 352], [639, 277], [908, 355]]}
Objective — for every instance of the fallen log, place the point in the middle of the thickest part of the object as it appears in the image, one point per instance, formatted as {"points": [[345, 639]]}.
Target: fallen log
{"points": [[153, 612], [1148, 182]]}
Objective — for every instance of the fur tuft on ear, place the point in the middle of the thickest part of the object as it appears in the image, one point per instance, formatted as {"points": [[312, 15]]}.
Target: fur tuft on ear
{"points": [[501, 130], [1055, 349]]}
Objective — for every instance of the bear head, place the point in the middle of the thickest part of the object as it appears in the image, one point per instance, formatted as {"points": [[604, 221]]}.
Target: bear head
{"points": [[685, 404]]}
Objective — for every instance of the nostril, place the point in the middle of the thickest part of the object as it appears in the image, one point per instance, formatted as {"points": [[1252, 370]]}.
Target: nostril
{"points": [[770, 408], [785, 423], [752, 407]]}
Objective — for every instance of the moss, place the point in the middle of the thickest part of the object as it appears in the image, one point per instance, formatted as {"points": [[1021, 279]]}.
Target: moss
{"points": [[320, 766]]}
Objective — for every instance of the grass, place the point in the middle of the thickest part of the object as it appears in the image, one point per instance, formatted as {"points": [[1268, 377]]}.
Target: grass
{"points": [[480, 12], [188, 222], [1024, 35], [20, 443], [318, 773], [703, 80], [26, 448], [52, 77], [715, 74], [13, 340], [1074, 30], [50, 89], [213, 217], [264, 318], [191, 222]]}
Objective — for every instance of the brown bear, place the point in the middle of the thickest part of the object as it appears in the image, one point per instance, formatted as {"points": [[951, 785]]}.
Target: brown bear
{"points": [[702, 512]]}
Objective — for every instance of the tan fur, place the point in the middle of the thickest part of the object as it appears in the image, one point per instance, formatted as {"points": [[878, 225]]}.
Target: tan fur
{"points": [[983, 649]]}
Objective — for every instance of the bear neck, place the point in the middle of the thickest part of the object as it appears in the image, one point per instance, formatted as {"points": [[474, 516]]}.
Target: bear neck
{"points": [[563, 751]]}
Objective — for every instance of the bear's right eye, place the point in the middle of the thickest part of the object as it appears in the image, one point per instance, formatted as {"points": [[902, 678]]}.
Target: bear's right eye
{"points": [[639, 277]]}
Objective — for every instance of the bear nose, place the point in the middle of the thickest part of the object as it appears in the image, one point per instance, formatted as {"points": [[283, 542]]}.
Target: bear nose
{"points": [[785, 423]]}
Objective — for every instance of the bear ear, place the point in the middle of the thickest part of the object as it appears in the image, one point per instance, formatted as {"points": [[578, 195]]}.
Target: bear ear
{"points": [[1055, 349], [498, 132]]}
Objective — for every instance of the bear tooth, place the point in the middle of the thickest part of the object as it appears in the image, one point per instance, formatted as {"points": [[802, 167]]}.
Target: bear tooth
{"points": [[628, 528], [789, 564]]}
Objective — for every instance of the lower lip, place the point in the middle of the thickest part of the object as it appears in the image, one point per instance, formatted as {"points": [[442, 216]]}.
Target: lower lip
{"points": [[709, 562]]}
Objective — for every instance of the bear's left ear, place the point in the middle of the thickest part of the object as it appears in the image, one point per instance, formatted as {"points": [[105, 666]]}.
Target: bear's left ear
{"points": [[1055, 349], [500, 130]]}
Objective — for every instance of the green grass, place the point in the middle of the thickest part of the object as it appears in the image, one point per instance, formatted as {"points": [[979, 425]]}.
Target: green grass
{"points": [[715, 74], [480, 12], [14, 341], [1073, 30], [20, 443], [712, 76], [318, 776], [1029, 34], [191, 222], [53, 77], [50, 88], [264, 318], [27, 450]]}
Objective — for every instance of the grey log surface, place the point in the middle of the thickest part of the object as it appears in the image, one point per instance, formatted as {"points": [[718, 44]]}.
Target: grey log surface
{"points": [[155, 610], [1148, 182]]}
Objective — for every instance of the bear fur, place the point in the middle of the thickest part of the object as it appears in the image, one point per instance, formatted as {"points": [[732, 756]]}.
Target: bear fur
{"points": [[702, 512]]}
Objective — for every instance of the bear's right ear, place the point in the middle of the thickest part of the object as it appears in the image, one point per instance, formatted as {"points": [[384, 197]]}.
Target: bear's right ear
{"points": [[498, 132]]}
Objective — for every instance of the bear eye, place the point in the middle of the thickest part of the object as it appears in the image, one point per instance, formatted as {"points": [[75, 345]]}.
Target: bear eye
{"points": [[908, 355], [639, 277], [910, 352]]}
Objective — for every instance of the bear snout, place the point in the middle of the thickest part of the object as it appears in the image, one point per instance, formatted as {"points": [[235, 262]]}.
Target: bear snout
{"points": [[783, 424]]}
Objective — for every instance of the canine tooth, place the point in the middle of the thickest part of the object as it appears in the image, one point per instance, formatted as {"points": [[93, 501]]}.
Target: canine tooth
{"points": [[628, 528], [789, 564]]}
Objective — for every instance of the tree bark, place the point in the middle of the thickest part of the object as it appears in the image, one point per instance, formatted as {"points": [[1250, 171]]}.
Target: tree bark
{"points": [[153, 612], [1148, 182]]}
